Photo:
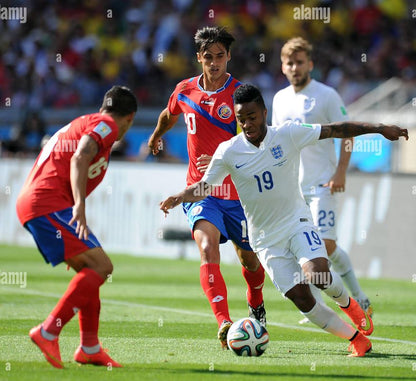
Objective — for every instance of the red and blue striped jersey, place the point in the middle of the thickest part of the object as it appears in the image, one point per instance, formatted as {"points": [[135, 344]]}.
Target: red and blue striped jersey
{"points": [[210, 120]]}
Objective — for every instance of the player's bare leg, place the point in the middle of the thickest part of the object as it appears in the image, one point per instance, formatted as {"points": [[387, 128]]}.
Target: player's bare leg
{"points": [[207, 237], [341, 263], [253, 273]]}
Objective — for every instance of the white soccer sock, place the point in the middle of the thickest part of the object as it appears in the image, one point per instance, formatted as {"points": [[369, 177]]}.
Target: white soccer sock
{"points": [[317, 293], [91, 350], [46, 335], [329, 321], [341, 263], [337, 291]]}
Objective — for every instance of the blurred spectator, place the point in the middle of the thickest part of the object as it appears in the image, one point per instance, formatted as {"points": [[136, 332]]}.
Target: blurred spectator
{"points": [[25, 139], [68, 54]]}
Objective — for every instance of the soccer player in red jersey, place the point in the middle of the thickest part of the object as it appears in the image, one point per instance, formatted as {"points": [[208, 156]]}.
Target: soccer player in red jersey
{"points": [[51, 206], [207, 104]]}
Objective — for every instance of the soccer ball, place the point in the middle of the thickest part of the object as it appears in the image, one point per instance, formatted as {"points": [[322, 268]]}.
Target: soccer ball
{"points": [[247, 337]]}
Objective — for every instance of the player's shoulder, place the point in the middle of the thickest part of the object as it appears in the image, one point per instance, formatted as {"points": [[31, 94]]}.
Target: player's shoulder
{"points": [[232, 143], [323, 88], [284, 92], [234, 82], [187, 84], [102, 124]]}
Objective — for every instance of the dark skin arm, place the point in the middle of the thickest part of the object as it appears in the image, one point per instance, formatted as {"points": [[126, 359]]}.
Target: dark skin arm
{"points": [[351, 129], [196, 192]]}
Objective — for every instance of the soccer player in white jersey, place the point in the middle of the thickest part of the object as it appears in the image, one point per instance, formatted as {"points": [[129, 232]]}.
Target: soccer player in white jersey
{"points": [[264, 165], [306, 100]]}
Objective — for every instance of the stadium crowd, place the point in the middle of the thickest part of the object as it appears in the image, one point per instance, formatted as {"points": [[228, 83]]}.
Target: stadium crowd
{"points": [[69, 53]]}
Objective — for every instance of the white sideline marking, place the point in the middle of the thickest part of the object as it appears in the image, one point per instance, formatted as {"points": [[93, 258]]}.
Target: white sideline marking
{"points": [[193, 313]]}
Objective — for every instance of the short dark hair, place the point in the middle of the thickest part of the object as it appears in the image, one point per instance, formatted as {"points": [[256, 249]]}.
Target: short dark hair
{"points": [[248, 93], [212, 35], [119, 100]]}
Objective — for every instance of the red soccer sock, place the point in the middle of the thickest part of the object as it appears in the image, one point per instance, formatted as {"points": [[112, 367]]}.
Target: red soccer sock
{"points": [[89, 317], [215, 289], [78, 294], [255, 283]]}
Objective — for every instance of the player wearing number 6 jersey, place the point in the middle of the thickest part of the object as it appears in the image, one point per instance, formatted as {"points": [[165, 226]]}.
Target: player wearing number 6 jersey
{"points": [[207, 104], [51, 206], [264, 165]]}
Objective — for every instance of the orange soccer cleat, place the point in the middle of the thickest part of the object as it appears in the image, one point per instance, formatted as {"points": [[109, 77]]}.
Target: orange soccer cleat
{"points": [[359, 346], [359, 317], [100, 358], [49, 348]]}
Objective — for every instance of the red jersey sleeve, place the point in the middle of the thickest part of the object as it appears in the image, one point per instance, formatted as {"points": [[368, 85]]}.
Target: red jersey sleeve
{"points": [[174, 107], [103, 130]]}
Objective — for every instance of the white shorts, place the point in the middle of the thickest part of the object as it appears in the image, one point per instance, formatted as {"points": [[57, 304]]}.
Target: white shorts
{"points": [[323, 207], [283, 261]]}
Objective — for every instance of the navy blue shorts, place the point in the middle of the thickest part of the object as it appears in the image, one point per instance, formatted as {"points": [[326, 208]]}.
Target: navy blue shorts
{"points": [[56, 239], [226, 215]]}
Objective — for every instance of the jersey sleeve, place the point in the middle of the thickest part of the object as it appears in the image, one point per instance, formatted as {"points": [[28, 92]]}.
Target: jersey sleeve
{"points": [[303, 134], [336, 109], [173, 105], [217, 170], [104, 133]]}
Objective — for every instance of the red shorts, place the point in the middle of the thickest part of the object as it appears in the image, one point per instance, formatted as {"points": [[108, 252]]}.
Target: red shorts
{"points": [[56, 239]]}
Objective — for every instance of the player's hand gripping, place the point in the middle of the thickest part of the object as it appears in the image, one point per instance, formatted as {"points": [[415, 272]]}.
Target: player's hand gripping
{"points": [[170, 203], [203, 162], [78, 216], [392, 132]]}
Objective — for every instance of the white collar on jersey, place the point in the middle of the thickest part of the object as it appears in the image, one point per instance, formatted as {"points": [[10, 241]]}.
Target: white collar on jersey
{"points": [[227, 82]]}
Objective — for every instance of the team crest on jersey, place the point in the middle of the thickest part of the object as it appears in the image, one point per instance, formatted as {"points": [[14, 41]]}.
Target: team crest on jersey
{"points": [[277, 151], [224, 111], [195, 211], [309, 104]]}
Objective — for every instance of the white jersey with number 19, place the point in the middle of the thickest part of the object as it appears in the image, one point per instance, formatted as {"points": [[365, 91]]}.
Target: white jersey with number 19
{"points": [[267, 180]]}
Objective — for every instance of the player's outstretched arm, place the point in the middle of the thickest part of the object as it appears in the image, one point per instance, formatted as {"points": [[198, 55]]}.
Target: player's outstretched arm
{"points": [[351, 129], [80, 162], [165, 122], [196, 192]]}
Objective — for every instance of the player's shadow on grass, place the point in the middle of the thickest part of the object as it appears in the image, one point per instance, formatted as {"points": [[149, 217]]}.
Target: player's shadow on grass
{"points": [[396, 356], [287, 376]]}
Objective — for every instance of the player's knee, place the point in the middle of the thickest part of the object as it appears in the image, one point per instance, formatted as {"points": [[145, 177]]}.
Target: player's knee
{"points": [[320, 277], [249, 261], [209, 251]]}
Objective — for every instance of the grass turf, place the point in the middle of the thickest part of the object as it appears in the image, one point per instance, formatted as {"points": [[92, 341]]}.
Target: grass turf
{"points": [[156, 321]]}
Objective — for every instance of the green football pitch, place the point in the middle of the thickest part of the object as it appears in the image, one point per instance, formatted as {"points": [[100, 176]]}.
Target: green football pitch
{"points": [[156, 321]]}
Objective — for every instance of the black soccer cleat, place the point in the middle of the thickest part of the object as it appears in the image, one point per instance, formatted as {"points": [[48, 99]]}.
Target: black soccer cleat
{"points": [[258, 313]]}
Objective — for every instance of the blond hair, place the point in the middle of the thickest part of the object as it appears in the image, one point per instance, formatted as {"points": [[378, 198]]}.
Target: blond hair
{"points": [[294, 45]]}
